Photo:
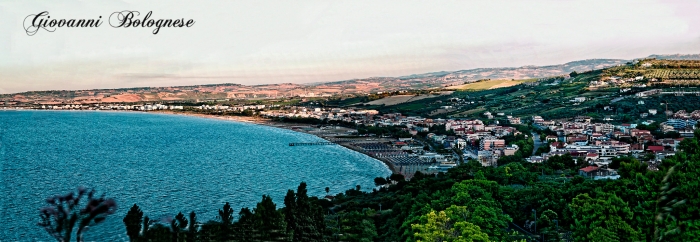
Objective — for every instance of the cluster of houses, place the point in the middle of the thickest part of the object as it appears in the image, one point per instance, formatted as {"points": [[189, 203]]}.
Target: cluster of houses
{"points": [[347, 115], [598, 143], [145, 107], [616, 81], [681, 120], [234, 108], [479, 141]]}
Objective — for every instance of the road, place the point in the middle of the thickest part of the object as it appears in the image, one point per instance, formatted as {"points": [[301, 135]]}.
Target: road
{"points": [[617, 99], [538, 143]]}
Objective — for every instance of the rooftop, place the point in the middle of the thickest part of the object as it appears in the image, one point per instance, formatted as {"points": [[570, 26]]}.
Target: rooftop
{"points": [[589, 169]]}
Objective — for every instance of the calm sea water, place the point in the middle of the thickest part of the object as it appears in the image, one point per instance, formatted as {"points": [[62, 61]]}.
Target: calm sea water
{"points": [[164, 163]]}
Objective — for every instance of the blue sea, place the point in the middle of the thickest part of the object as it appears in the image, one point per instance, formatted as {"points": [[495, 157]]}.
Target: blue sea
{"points": [[164, 163]]}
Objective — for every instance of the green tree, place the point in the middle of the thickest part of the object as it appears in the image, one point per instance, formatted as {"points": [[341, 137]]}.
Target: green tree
{"points": [[269, 222], [357, 226], [132, 221], [304, 219], [379, 181], [602, 234], [440, 227], [608, 212], [222, 230], [226, 214]]}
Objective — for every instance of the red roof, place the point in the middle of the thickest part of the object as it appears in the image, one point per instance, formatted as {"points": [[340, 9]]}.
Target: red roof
{"points": [[655, 148], [589, 169], [592, 155], [557, 144]]}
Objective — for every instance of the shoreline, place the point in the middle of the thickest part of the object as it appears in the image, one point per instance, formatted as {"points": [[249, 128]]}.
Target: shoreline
{"points": [[281, 125]]}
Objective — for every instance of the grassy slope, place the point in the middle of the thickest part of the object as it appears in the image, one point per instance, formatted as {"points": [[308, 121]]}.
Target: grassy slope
{"points": [[518, 100]]}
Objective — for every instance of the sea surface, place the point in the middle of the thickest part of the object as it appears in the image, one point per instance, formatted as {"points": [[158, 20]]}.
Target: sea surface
{"points": [[164, 163]]}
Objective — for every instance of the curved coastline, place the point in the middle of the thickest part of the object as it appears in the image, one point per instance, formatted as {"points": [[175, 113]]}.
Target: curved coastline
{"points": [[241, 119], [278, 125]]}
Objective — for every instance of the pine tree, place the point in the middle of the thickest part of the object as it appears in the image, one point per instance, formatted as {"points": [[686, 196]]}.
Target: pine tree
{"points": [[309, 227], [245, 230], [270, 223], [132, 221], [289, 211], [226, 217], [304, 220]]}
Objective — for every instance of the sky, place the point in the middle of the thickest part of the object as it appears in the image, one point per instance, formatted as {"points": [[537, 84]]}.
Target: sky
{"points": [[260, 42]]}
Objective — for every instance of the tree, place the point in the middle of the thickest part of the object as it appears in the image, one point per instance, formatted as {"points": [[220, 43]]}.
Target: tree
{"points": [[616, 162], [628, 170], [379, 181], [602, 234], [62, 214], [244, 227], [607, 212], [440, 227], [226, 214], [223, 232], [328, 189], [356, 226], [269, 223], [177, 225], [290, 211], [304, 219], [397, 177], [132, 221], [192, 227]]}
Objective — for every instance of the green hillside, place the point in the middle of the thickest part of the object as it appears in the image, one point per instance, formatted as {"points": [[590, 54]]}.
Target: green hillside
{"points": [[552, 98]]}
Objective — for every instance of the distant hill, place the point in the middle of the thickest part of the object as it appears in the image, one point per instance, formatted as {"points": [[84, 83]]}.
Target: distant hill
{"points": [[676, 57], [229, 91], [525, 72], [450, 78]]}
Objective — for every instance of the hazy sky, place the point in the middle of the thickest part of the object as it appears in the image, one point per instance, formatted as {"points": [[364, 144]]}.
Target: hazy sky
{"points": [[255, 42]]}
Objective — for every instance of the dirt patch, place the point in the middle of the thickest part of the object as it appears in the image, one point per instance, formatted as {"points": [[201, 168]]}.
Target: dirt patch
{"points": [[122, 98]]}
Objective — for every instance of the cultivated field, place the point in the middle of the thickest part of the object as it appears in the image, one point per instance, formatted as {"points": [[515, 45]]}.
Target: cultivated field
{"points": [[491, 84], [398, 99]]}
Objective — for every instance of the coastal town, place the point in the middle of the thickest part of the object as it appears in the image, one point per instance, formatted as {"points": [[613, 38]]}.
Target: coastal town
{"points": [[640, 110], [410, 144]]}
